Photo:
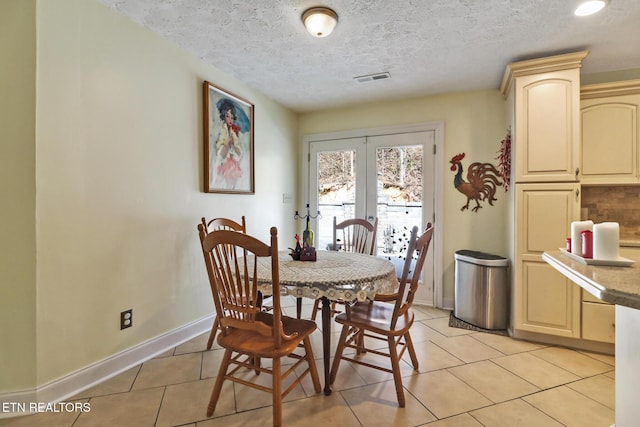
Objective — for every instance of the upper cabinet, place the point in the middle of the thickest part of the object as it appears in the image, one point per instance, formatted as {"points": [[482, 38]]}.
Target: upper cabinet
{"points": [[610, 114], [545, 96]]}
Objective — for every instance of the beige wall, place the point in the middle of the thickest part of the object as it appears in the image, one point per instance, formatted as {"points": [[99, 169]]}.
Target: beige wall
{"points": [[475, 123], [18, 190], [117, 180]]}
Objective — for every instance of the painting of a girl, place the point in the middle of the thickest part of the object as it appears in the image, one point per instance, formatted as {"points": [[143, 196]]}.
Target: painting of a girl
{"points": [[229, 145]]}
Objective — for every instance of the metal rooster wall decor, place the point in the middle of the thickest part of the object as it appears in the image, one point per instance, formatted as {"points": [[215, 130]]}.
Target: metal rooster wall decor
{"points": [[481, 184]]}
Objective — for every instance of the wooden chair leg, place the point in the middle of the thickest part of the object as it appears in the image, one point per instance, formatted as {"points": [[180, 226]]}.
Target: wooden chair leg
{"points": [[215, 394], [361, 347], [412, 351], [212, 334], [313, 370], [277, 393], [316, 307], [395, 367], [256, 362], [338, 356]]}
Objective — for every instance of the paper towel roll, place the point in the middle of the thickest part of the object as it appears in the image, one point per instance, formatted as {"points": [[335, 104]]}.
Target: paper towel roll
{"points": [[577, 227], [606, 240]]}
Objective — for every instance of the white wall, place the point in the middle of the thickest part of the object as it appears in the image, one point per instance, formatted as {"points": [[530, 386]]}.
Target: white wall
{"points": [[475, 123], [118, 187]]}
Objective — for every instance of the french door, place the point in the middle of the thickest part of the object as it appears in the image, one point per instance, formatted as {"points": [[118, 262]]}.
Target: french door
{"points": [[389, 177]]}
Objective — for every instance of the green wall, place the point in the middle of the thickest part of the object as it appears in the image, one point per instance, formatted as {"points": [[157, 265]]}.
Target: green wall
{"points": [[102, 165], [474, 123], [18, 190]]}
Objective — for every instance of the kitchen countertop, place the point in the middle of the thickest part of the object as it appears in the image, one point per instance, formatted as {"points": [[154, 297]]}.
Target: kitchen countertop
{"points": [[620, 286], [615, 285]]}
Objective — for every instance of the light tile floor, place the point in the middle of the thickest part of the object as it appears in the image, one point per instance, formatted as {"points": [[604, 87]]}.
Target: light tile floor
{"points": [[465, 379]]}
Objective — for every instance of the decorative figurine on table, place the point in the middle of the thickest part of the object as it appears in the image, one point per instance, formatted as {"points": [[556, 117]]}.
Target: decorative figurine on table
{"points": [[295, 253], [308, 252]]}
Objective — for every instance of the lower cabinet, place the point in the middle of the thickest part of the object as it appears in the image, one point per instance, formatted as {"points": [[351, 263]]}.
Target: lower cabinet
{"points": [[550, 302], [544, 300], [598, 319]]}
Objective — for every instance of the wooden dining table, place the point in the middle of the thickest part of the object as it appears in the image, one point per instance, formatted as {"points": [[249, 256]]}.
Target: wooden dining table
{"points": [[334, 276]]}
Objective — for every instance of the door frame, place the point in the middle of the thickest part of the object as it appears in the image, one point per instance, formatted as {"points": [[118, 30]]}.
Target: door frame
{"points": [[438, 128]]}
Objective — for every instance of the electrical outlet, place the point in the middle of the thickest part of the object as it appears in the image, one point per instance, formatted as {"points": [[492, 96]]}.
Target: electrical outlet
{"points": [[126, 319]]}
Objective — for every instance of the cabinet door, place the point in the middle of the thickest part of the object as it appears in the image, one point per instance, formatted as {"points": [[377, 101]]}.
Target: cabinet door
{"points": [[545, 301], [598, 322], [610, 140], [598, 319], [547, 134]]}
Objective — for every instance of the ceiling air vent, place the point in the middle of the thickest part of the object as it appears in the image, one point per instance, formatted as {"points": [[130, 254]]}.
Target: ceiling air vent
{"points": [[372, 77]]}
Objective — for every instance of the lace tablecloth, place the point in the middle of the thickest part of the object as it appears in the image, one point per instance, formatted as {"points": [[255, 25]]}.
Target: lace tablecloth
{"points": [[339, 276]]}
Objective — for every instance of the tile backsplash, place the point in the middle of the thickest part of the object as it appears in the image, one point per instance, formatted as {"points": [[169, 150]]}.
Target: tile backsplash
{"points": [[619, 204]]}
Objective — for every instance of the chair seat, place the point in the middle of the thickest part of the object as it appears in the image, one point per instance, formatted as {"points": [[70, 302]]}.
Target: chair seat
{"points": [[376, 316], [251, 342]]}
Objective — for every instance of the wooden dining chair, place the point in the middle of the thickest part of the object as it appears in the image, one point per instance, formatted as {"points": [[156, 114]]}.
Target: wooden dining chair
{"points": [[351, 235], [388, 321], [224, 224], [213, 225], [247, 333], [355, 235]]}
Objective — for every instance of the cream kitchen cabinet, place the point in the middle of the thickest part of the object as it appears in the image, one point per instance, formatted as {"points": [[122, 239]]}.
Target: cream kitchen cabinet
{"points": [[598, 319], [543, 97], [546, 132], [544, 300], [610, 146]]}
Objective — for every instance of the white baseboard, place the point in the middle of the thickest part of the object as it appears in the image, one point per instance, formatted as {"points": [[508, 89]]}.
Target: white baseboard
{"points": [[71, 384], [448, 303]]}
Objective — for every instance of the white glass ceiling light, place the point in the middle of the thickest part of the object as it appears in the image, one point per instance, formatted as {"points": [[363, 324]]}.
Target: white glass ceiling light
{"points": [[319, 21], [590, 7]]}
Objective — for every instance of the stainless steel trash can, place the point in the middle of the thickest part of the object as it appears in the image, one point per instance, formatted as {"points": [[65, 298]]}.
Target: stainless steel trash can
{"points": [[481, 289]]}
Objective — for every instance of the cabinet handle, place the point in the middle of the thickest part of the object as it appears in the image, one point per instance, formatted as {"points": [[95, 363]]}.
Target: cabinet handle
{"points": [[577, 193], [577, 173]]}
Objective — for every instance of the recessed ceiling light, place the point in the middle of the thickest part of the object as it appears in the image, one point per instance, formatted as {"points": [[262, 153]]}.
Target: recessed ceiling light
{"points": [[590, 7]]}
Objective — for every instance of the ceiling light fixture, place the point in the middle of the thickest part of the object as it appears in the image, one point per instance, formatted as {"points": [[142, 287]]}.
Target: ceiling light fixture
{"points": [[319, 21], [590, 7]]}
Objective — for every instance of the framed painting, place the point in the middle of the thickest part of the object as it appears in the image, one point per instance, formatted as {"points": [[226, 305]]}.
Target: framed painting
{"points": [[228, 142]]}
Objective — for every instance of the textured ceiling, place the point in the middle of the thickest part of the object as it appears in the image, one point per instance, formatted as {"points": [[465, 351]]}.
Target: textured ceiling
{"points": [[428, 47]]}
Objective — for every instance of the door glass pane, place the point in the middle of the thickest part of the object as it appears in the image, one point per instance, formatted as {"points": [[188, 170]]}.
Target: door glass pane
{"points": [[336, 191], [399, 198]]}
